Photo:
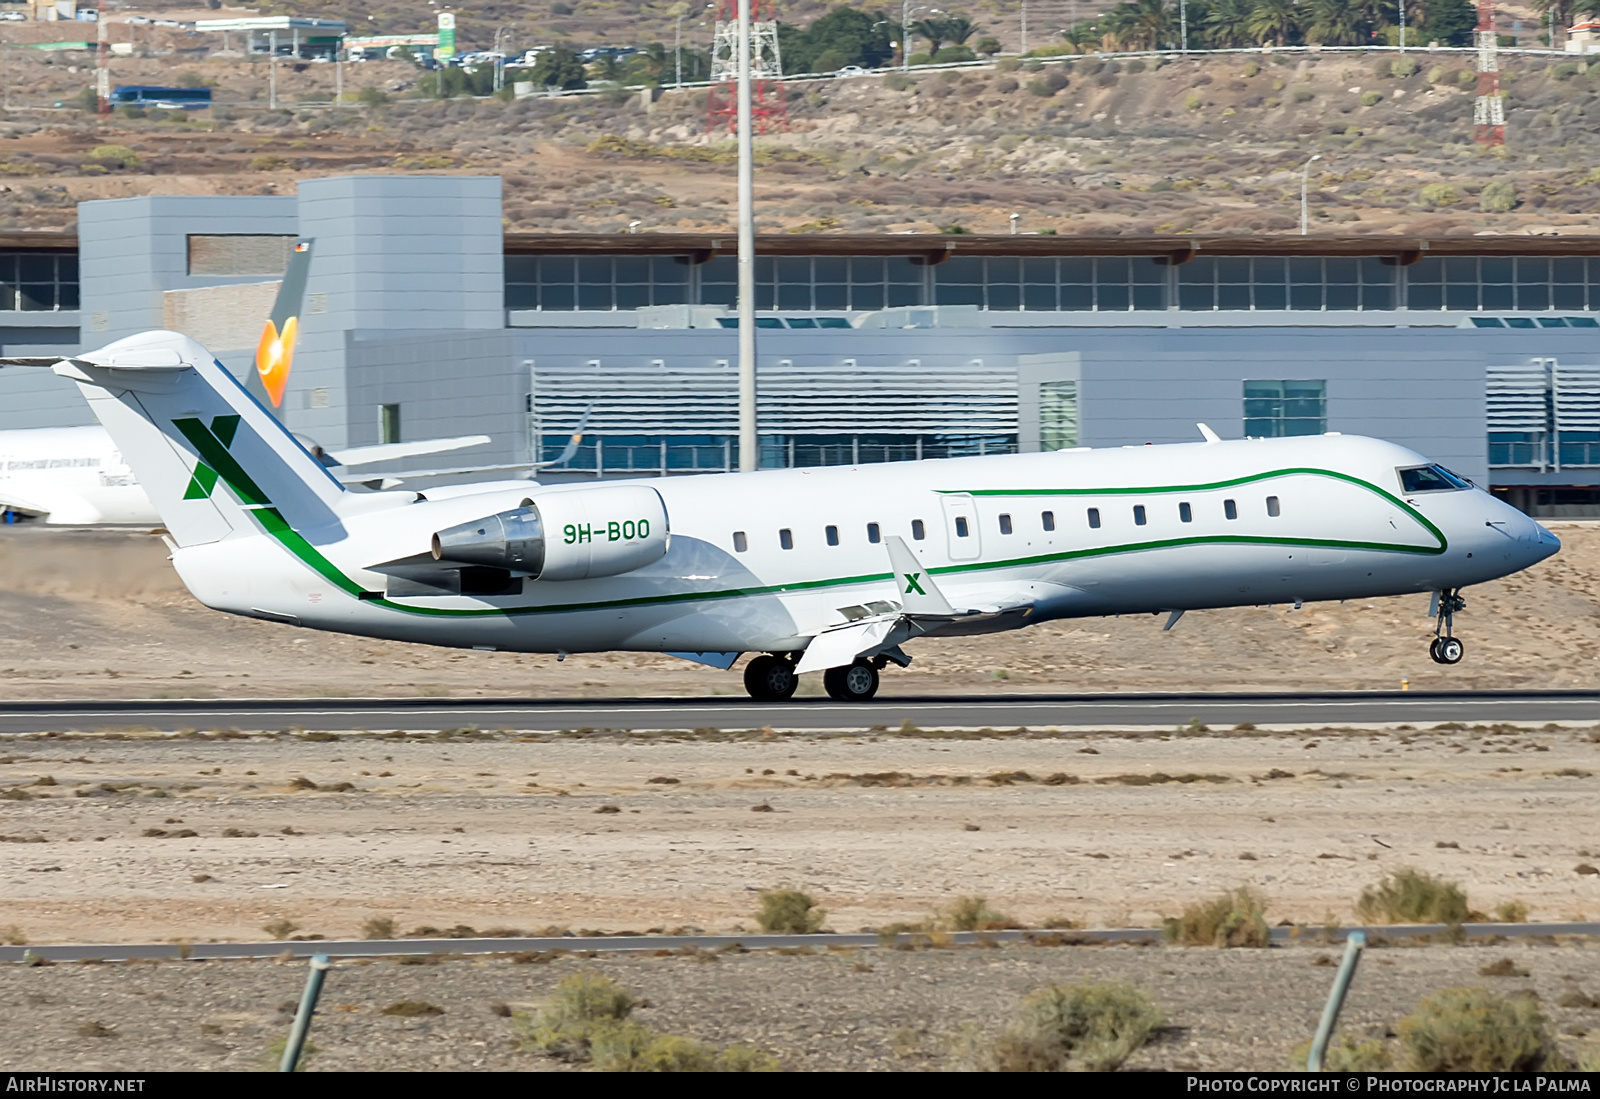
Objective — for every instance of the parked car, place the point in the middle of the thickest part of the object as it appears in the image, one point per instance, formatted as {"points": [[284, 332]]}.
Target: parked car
{"points": [[12, 17], [850, 70]]}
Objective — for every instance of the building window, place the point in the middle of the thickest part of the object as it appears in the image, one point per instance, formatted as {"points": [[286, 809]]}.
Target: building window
{"points": [[1230, 509], [786, 538], [1094, 518], [918, 531], [1511, 283], [389, 423], [1272, 506], [833, 535], [38, 281], [1048, 520], [740, 542], [1185, 513], [1058, 415], [1138, 515], [1273, 409], [961, 526], [1285, 282], [874, 534], [1005, 524], [237, 254], [595, 282]]}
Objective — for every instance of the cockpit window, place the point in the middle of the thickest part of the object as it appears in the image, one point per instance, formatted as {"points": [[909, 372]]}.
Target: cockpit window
{"points": [[1431, 479]]}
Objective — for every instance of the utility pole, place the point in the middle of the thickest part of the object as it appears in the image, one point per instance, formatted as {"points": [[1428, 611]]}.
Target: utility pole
{"points": [[1183, 25], [677, 51], [1305, 184], [1489, 109], [102, 73], [749, 443], [272, 70], [1402, 6], [1024, 49]]}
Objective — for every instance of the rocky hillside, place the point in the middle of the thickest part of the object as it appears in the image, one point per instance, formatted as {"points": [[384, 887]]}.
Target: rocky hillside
{"points": [[1206, 145]]}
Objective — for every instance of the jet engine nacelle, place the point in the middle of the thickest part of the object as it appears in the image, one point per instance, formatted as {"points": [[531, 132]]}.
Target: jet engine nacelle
{"points": [[574, 535]]}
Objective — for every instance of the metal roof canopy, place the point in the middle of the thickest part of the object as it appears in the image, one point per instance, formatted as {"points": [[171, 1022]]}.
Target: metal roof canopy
{"points": [[936, 247], [271, 23]]}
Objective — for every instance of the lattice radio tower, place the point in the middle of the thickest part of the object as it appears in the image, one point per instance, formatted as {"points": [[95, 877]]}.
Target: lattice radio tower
{"points": [[1489, 109], [767, 109]]}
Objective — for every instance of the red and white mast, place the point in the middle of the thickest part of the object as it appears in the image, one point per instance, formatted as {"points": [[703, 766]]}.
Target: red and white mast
{"points": [[1489, 109]]}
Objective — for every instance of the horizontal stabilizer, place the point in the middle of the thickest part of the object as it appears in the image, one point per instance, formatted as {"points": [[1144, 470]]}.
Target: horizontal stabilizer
{"points": [[917, 592], [388, 452], [840, 646]]}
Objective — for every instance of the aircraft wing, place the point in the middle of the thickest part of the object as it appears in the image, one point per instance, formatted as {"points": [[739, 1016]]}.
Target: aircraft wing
{"points": [[10, 501], [526, 469]]}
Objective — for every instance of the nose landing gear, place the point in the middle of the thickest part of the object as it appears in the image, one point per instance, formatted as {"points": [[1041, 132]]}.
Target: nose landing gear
{"points": [[1445, 648]]}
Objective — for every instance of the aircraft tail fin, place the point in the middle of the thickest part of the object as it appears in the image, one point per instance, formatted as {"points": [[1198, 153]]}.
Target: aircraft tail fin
{"points": [[213, 460], [275, 351]]}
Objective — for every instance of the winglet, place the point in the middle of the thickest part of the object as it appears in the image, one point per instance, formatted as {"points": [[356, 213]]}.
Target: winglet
{"points": [[275, 352], [1209, 435], [917, 592]]}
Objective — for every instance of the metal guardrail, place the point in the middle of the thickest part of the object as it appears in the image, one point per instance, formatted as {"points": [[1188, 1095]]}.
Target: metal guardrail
{"points": [[626, 943]]}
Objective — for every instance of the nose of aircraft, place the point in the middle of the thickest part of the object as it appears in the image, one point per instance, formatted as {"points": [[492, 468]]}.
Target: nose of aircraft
{"points": [[1545, 543]]}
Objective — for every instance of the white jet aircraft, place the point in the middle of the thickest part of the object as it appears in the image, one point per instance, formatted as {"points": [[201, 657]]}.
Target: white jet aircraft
{"points": [[829, 569]]}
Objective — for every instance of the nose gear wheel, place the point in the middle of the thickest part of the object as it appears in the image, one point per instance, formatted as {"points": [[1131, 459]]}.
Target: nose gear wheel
{"points": [[1446, 648]]}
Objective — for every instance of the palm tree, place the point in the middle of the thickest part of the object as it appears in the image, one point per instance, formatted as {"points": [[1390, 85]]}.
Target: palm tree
{"points": [[1273, 21], [1226, 24], [932, 30], [958, 28], [1334, 23]]}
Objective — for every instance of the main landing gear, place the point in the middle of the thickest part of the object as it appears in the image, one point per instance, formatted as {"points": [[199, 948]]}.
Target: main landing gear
{"points": [[771, 678], [1446, 649]]}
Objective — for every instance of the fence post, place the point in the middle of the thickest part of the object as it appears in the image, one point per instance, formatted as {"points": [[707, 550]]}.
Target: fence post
{"points": [[1354, 944], [302, 1018]]}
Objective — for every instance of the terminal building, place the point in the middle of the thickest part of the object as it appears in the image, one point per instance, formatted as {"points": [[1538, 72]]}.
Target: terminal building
{"points": [[424, 318]]}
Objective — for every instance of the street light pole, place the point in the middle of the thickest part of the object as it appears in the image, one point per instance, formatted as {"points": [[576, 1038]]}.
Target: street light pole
{"points": [[749, 445], [1305, 182], [677, 51]]}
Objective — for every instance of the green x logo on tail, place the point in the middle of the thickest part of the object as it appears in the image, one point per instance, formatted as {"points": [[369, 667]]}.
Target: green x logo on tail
{"points": [[912, 585], [213, 444]]}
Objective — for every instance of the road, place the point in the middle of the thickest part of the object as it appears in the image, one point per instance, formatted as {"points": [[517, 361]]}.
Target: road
{"points": [[999, 711]]}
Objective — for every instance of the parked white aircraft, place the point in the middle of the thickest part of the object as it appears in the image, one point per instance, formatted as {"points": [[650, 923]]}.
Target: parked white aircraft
{"points": [[75, 476], [828, 569]]}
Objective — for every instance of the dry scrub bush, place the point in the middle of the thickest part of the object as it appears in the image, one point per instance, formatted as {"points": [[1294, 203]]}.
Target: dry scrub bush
{"points": [[1498, 197], [1236, 918], [1347, 1055], [380, 927], [586, 1019], [789, 911], [974, 914], [1093, 1027], [1473, 1030], [1412, 896]]}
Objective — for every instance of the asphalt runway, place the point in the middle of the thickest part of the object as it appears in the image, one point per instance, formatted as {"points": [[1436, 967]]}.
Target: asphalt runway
{"points": [[392, 948], [1220, 711]]}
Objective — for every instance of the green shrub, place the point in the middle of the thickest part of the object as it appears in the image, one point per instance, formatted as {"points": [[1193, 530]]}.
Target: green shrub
{"points": [[1436, 74], [974, 914], [372, 97], [115, 156], [566, 1024], [1192, 103], [1134, 66], [1251, 68], [1303, 95], [1347, 1055], [1434, 195], [1498, 197], [1371, 99], [1473, 1030], [1236, 918], [1403, 67], [898, 82], [587, 1019], [789, 911], [1095, 1027], [1412, 896]]}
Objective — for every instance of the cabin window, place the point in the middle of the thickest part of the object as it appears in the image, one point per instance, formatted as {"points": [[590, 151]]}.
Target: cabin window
{"points": [[1272, 506], [1005, 524], [833, 535], [786, 538], [961, 526], [740, 542], [1138, 515], [1230, 509], [874, 535], [1094, 518], [918, 531], [1048, 518], [1185, 512]]}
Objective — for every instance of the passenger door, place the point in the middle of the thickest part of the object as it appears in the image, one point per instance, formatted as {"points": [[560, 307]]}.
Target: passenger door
{"points": [[961, 526]]}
